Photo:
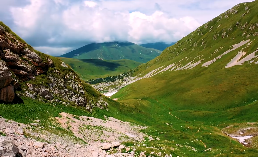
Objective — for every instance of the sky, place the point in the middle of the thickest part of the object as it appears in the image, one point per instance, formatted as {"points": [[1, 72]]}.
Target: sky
{"points": [[56, 27]]}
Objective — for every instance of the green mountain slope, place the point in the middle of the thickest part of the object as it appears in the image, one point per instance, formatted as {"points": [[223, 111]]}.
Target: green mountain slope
{"points": [[159, 45], [114, 51], [97, 68], [202, 90]]}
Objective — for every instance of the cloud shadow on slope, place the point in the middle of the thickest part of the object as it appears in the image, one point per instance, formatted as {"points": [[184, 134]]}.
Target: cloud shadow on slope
{"points": [[98, 62]]}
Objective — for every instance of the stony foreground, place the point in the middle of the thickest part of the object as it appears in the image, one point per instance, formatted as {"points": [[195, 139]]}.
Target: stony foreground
{"points": [[101, 138]]}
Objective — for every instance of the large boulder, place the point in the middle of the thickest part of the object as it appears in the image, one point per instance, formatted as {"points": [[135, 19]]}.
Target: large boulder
{"points": [[7, 94]]}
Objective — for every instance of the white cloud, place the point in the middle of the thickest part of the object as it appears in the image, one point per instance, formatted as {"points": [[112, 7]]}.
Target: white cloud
{"points": [[90, 4], [55, 51], [66, 24], [159, 27], [27, 16], [61, 2]]}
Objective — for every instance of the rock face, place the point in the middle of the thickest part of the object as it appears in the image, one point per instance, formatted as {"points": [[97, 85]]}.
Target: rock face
{"points": [[6, 90], [27, 72]]}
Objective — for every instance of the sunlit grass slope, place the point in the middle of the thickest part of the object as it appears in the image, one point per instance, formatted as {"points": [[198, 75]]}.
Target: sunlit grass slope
{"points": [[188, 107]]}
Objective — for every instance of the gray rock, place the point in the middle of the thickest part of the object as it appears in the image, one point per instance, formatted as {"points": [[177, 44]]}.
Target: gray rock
{"points": [[106, 146], [32, 55], [38, 145], [5, 75], [116, 144], [64, 65], [2, 30], [47, 95], [121, 147]]}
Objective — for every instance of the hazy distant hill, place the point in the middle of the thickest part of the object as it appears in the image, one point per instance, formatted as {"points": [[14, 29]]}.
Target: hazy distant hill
{"points": [[159, 45], [114, 51]]}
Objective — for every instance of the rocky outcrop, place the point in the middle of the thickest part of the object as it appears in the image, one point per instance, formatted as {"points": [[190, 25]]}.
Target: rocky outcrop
{"points": [[27, 72], [17, 64], [7, 148]]}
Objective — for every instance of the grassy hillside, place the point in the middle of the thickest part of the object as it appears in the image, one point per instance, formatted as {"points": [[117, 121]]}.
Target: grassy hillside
{"points": [[114, 51], [202, 90], [97, 68]]}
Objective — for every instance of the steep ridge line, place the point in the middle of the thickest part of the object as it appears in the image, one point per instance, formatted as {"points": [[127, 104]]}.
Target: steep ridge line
{"points": [[177, 66]]}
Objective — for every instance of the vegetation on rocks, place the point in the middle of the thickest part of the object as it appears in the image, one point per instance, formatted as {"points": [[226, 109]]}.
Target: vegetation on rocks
{"points": [[30, 73]]}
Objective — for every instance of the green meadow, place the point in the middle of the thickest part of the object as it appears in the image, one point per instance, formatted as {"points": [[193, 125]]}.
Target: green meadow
{"points": [[97, 68]]}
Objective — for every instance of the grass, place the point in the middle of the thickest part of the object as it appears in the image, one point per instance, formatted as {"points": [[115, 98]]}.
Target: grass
{"points": [[2, 134], [32, 110], [95, 68], [181, 128]]}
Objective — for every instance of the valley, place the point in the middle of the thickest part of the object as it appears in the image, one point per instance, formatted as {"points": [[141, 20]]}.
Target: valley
{"points": [[196, 98]]}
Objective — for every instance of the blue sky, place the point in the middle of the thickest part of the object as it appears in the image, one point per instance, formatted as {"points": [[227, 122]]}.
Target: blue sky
{"points": [[59, 26]]}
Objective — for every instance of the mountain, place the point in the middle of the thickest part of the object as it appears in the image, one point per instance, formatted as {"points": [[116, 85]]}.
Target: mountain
{"points": [[199, 97], [158, 45], [25, 72], [96, 68], [47, 110], [113, 51]]}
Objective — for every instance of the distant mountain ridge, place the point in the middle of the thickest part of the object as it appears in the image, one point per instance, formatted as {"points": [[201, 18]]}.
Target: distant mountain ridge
{"points": [[158, 45], [114, 51]]}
